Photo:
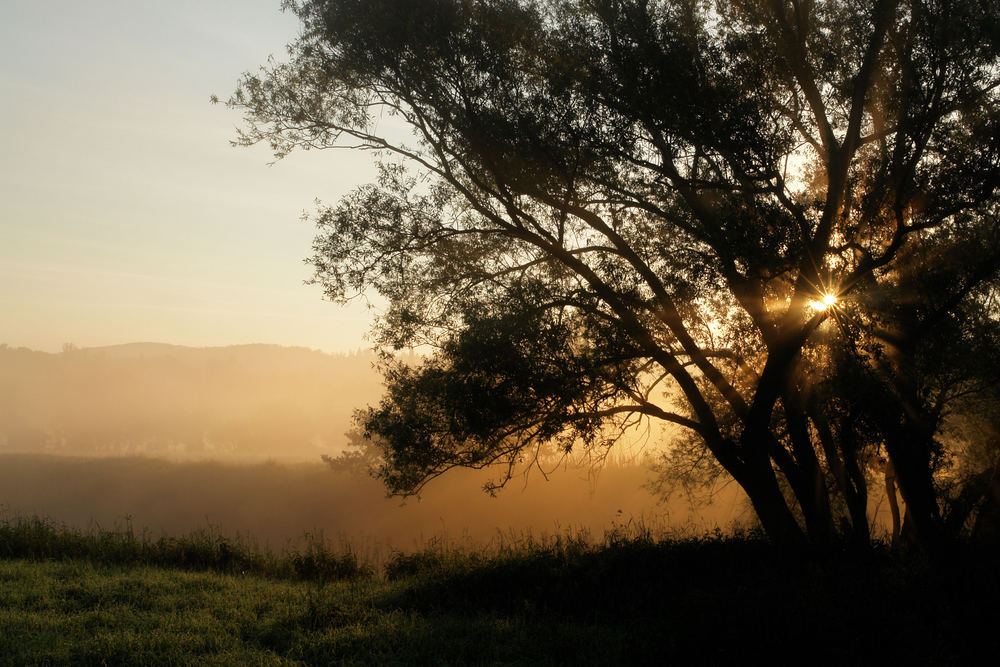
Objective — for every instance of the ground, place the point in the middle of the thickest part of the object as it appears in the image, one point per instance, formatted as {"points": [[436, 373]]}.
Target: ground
{"points": [[633, 601]]}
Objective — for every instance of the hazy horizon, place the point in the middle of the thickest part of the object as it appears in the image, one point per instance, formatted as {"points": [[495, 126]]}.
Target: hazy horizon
{"points": [[238, 402], [175, 438]]}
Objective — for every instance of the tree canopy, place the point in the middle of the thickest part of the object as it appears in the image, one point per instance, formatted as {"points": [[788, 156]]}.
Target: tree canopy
{"points": [[771, 223]]}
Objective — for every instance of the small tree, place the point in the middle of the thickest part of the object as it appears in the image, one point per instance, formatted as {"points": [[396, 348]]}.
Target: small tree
{"points": [[606, 202]]}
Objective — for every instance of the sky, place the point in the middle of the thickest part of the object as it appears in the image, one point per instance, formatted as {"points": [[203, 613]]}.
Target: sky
{"points": [[125, 213]]}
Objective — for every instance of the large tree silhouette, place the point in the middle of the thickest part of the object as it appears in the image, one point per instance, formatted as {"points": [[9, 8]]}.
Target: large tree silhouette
{"points": [[714, 214]]}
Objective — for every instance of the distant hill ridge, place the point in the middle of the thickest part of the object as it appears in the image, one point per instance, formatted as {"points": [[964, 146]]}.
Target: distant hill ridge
{"points": [[158, 399]]}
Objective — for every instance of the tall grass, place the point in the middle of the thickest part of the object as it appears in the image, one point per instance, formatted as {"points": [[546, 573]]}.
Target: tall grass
{"points": [[631, 595], [315, 558], [311, 558]]}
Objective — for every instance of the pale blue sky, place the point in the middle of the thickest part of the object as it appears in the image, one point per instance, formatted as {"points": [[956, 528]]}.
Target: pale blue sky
{"points": [[125, 215]]}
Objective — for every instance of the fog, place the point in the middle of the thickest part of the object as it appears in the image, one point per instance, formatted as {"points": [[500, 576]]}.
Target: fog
{"points": [[276, 503], [172, 439], [239, 403]]}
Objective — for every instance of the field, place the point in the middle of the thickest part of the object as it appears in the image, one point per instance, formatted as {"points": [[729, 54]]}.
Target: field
{"points": [[630, 598], [277, 502]]}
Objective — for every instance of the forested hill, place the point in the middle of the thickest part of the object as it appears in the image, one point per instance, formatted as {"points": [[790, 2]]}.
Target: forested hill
{"points": [[241, 402]]}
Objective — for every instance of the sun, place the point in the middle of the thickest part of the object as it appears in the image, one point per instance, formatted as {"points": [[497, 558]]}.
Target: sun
{"points": [[826, 301]]}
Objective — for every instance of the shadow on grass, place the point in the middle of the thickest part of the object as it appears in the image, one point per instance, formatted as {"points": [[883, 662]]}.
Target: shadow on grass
{"points": [[629, 599], [733, 600]]}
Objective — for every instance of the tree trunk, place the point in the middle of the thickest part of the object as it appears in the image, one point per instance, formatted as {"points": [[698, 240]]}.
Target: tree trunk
{"points": [[987, 525], [761, 486], [857, 498], [808, 484], [848, 476], [910, 452], [890, 493]]}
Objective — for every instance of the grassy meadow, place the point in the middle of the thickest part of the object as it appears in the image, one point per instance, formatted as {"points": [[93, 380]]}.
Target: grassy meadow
{"points": [[118, 597]]}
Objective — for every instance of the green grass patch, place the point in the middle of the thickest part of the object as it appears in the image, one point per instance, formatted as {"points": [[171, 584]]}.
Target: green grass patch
{"points": [[627, 599], [312, 558]]}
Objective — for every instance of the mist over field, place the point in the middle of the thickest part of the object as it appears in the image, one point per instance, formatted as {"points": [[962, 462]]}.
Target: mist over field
{"points": [[277, 503], [174, 439], [243, 402]]}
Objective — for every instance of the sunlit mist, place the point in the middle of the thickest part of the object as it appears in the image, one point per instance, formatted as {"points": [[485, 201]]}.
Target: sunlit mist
{"points": [[233, 436]]}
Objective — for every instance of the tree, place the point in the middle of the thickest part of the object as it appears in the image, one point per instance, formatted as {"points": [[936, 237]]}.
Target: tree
{"points": [[703, 213]]}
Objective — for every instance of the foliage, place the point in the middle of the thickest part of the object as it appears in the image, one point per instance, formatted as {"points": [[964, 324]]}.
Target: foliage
{"points": [[359, 456], [621, 210]]}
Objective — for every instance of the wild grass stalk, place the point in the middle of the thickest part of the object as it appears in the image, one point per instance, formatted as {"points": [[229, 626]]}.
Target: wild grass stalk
{"points": [[311, 558]]}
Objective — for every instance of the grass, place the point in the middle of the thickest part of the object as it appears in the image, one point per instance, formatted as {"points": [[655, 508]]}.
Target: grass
{"points": [[312, 558], [630, 598]]}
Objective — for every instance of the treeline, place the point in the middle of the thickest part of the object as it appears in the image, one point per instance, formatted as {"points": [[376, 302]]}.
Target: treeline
{"points": [[245, 401]]}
